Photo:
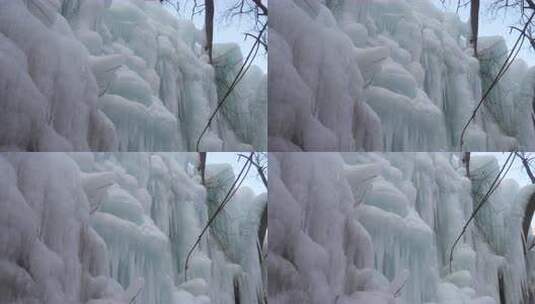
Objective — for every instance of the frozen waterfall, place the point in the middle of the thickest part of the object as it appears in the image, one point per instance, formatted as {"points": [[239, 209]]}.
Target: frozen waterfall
{"points": [[121, 75], [392, 75], [115, 228], [359, 228]]}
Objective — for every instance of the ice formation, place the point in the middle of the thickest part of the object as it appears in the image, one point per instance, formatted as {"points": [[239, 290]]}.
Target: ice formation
{"points": [[359, 228], [121, 75], [389, 75], [115, 228]]}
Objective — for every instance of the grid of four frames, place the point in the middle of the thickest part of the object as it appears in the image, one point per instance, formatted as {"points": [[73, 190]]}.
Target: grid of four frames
{"points": [[367, 151]]}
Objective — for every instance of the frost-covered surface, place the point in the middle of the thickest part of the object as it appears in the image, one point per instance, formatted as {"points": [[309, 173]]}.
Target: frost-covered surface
{"points": [[393, 75], [363, 228], [108, 228], [103, 75]]}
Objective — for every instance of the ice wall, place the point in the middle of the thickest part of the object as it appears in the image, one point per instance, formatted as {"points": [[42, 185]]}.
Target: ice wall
{"points": [[393, 75], [50, 252], [110, 228], [378, 228], [123, 75]]}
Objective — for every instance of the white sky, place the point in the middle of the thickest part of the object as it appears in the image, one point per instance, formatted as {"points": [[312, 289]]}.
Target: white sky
{"points": [[252, 180], [229, 30], [490, 25]]}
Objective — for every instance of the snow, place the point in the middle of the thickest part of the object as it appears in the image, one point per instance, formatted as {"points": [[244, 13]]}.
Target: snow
{"points": [[389, 75], [111, 227], [378, 228], [121, 75]]}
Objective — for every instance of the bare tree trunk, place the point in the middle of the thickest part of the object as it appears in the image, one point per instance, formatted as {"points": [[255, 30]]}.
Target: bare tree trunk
{"points": [[474, 20], [466, 162], [209, 27], [262, 229], [202, 166]]}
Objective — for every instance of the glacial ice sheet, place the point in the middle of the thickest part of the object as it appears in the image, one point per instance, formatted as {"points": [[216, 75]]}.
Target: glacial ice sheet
{"points": [[121, 75], [107, 228], [378, 228], [392, 75]]}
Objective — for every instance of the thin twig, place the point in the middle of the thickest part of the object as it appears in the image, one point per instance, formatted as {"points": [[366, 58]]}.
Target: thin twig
{"points": [[137, 294]]}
